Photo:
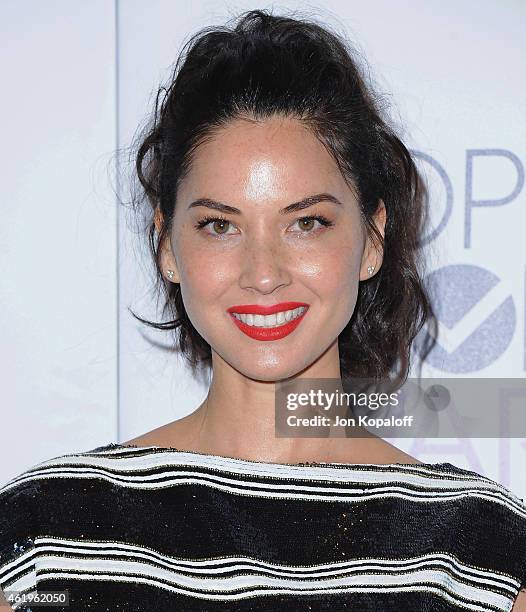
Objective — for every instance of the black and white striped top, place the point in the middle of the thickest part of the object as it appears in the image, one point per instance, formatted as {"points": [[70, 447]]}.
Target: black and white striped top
{"points": [[126, 528]]}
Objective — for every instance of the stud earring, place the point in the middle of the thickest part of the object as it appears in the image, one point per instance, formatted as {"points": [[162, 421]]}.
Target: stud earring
{"points": [[170, 274], [370, 269]]}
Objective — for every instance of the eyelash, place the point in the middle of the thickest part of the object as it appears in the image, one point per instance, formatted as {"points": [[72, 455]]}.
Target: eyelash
{"points": [[320, 218]]}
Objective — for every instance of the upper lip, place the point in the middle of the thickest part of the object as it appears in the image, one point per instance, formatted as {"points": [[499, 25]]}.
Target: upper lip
{"points": [[265, 310]]}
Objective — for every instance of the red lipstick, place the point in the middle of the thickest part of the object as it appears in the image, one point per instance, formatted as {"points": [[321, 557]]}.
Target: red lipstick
{"points": [[267, 333]]}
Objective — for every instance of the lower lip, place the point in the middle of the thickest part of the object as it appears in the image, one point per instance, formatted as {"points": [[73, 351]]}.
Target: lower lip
{"points": [[269, 333]]}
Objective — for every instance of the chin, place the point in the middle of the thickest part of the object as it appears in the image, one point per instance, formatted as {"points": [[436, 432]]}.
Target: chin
{"points": [[270, 368]]}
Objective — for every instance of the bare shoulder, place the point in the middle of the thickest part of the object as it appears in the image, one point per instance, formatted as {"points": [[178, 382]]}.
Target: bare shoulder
{"points": [[388, 453], [166, 435], [371, 450], [4, 606], [395, 455], [520, 602]]}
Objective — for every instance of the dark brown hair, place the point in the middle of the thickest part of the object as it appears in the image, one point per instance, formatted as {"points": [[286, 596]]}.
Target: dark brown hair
{"points": [[267, 65]]}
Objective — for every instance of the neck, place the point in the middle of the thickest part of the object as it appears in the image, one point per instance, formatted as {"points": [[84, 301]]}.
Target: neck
{"points": [[238, 416]]}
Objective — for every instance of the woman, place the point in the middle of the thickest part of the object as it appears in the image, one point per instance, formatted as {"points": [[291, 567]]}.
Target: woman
{"points": [[285, 218]]}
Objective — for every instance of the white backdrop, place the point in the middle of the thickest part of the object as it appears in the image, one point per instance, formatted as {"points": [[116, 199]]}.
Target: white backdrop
{"points": [[79, 78]]}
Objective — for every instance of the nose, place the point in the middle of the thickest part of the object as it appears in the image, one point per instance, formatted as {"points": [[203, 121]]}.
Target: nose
{"points": [[265, 266]]}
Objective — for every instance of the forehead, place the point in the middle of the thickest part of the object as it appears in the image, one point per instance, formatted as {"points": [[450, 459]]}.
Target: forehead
{"points": [[276, 157]]}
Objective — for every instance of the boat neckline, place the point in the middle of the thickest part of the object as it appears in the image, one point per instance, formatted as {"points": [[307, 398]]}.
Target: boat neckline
{"points": [[270, 463]]}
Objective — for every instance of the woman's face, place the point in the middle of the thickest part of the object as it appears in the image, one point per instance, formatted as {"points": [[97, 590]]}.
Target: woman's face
{"points": [[263, 257]]}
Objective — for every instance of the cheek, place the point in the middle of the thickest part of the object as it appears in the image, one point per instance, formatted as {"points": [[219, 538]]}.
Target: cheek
{"points": [[332, 270], [198, 275], [203, 282], [330, 267]]}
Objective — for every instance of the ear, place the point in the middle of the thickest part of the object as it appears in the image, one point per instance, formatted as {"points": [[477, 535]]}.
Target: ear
{"points": [[373, 255], [167, 258]]}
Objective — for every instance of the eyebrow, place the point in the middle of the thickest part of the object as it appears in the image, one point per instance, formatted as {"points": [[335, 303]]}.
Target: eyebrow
{"points": [[295, 206]]}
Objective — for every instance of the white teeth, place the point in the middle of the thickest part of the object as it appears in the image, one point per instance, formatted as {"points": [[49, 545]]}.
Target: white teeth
{"points": [[273, 320]]}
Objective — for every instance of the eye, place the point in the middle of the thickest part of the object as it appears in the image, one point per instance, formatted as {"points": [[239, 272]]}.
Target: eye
{"points": [[305, 223], [219, 224]]}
